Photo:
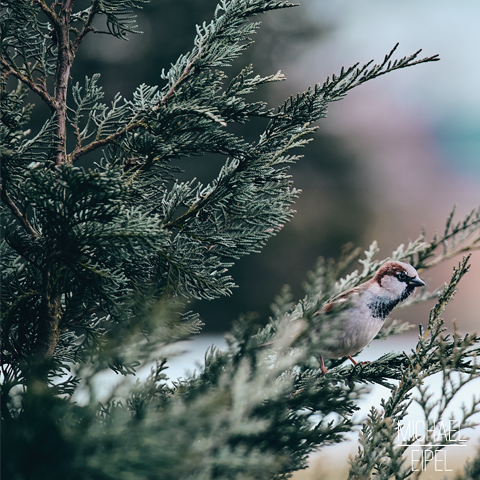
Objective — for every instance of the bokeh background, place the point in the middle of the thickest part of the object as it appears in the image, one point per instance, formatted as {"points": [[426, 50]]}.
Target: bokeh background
{"points": [[396, 154]]}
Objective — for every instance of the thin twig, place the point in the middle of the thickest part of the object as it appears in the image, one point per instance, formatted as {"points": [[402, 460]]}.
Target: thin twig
{"points": [[39, 90], [49, 12], [180, 79], [79, 152], [86, 27], [468, 248], [16, 211]]}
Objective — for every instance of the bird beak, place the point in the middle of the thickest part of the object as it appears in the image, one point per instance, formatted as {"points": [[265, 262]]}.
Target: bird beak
{"points": [[416, 282]]}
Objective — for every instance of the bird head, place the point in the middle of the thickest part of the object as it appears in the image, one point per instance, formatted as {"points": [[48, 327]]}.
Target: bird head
{"points": [[397, 279]]}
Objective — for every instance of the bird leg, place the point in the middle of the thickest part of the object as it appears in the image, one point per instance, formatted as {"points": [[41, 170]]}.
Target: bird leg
{"points": [[322, 366]]}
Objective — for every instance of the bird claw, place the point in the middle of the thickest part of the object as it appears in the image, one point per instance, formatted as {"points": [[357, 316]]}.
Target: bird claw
{"points": [[361, 364]]}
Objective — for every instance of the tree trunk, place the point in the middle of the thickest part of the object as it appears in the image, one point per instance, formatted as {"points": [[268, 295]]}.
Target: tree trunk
{"points": [[62, 76]]}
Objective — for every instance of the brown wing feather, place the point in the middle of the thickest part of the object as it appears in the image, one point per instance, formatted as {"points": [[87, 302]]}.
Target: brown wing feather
{"points": [[327, 308]]}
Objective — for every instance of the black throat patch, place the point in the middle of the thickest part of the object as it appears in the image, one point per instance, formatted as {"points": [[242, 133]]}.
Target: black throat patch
{"points": [[381, 308]]}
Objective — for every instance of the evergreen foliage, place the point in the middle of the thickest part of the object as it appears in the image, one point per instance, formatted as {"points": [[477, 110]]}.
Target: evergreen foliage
{"points": [[99, 264]]}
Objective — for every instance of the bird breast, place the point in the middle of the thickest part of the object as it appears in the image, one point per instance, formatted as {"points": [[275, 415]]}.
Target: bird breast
{"points": [[358, 328]]}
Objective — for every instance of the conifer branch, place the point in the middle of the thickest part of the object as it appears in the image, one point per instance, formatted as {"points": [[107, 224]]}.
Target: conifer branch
{"points": [[87, 27], [18, 214], [457, 238], [38, 89], [336, 87], [102, 142], [191, 212], [181, 78], [99, 143], [49, 12]]}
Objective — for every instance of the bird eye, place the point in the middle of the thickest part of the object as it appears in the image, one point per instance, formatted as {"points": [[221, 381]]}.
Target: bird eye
{"points": [[402, 276]]}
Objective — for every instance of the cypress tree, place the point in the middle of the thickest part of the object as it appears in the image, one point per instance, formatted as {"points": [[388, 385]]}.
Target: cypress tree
{"points": [[100, 265]]}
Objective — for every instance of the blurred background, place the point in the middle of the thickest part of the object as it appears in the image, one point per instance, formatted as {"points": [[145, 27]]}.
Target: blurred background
{"points": [[396, 154]]}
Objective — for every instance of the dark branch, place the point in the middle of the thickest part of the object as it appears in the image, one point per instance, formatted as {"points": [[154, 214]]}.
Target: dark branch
{"points": [[38, 89], [16, 211], [50, 13], [79, 152], [87, 27], [180, 80]]}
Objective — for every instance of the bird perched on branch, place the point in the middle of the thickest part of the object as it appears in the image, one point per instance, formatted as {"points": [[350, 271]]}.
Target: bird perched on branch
{"points": [[371, 303]]}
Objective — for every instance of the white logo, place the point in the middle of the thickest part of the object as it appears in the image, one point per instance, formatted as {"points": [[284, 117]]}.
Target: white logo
{"points": [[433, 439]]}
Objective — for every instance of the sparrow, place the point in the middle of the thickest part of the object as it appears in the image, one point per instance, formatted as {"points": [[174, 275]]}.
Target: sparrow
{"points": [[371, 303]]}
